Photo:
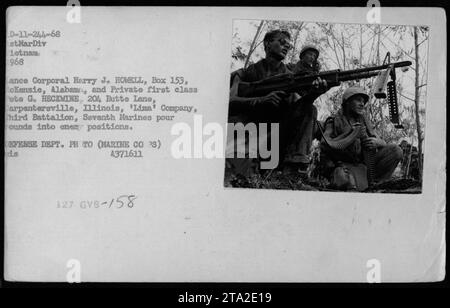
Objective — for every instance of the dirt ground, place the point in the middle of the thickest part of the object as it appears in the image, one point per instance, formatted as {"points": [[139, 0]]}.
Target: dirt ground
{"points": [[278, 180]]}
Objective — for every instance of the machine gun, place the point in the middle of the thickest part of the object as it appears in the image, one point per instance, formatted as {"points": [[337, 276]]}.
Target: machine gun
{"points": [[382, 83], [300, 82]]}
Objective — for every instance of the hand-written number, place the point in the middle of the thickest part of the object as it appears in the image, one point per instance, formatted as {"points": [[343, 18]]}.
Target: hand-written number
{"points": [[129, 201]]}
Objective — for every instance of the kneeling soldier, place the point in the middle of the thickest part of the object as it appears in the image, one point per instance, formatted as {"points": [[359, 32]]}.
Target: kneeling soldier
{"points": [[353, 154]]}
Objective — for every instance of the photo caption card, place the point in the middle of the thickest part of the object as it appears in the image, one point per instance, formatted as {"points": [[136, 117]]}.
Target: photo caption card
{"points": [[182, 144]]}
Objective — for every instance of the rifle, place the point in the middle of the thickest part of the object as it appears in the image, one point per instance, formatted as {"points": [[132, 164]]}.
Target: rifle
{"points": [[290, 82], [298, 82]]}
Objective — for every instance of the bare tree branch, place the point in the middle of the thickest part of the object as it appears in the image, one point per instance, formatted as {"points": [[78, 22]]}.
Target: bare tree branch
{"points": [[252, 48], [407, 97], [417, 98]]}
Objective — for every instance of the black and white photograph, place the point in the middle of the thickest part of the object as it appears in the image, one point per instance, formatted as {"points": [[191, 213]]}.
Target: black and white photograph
{"points": [[224, 145], [349, 101]]}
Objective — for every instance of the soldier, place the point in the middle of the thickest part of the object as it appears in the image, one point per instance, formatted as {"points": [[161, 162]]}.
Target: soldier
{"points": [[308, 60], [277, 106], [348, 137]]}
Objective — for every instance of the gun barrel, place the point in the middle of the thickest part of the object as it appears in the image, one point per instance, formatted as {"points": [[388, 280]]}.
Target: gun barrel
{"points": [[377, 68], [295, 82], [357, 75]]}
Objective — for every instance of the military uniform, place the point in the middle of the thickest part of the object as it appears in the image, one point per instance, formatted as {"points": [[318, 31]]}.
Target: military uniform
{"points": [[252, 112], [295, 117], [304, 118]]}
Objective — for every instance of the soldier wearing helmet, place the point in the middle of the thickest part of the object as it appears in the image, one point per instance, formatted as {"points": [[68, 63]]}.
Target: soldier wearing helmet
{"points": [[298, 151], [347, 134], [277, 106], [308, 62]]}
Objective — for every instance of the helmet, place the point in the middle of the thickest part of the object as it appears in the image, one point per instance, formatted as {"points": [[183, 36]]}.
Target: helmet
{"points": [[309, 47], [352, 91]]}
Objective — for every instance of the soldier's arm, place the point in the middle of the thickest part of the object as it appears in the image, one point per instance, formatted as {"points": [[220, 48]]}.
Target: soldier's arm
{"points": [[342, 141], [246, 103], [237, 102], [318, 87]]}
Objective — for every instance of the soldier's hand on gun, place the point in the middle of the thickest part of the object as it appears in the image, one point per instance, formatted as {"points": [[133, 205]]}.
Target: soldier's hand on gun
{"points": [[373, 143], [274, 98], [320, 85]]}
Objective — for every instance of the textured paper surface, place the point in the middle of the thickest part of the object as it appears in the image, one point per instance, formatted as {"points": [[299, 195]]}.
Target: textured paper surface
{"points": [[186, 226]]}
